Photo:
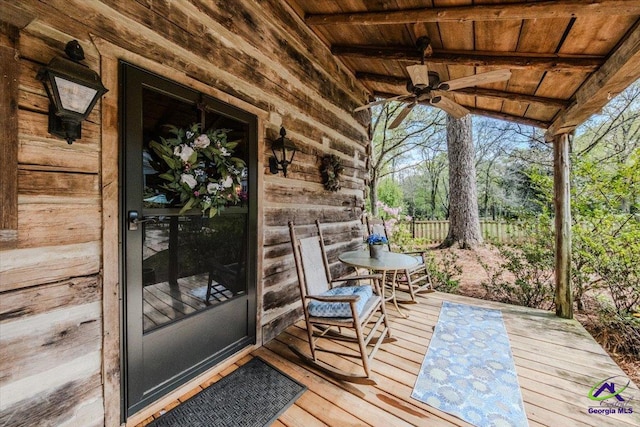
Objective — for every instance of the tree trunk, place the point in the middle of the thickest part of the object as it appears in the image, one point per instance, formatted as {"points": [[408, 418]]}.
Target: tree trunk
{"points": [[373, 194], [464, 221]]}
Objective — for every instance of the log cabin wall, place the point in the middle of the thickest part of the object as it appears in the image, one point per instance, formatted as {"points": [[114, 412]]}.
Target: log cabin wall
{"points": [[59, 274]]}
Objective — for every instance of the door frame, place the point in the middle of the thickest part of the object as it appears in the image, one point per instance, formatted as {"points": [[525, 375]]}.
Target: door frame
{"points": [[110, 56]]}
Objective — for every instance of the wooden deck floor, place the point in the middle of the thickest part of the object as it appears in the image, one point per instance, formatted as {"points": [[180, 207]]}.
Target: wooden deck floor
{"points": [[557, 363]]}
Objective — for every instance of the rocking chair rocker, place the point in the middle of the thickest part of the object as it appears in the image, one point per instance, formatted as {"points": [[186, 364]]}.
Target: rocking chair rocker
{"points": [[328, 309], [415, 280]]}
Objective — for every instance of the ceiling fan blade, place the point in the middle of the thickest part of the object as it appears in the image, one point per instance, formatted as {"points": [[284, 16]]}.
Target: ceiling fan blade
{"points": [[382, 101], [451, 107], [401, 116], [476, 79]]}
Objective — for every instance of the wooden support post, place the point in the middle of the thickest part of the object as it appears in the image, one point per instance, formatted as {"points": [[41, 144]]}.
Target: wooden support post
{"points": [[562, 204], [9, 79]]}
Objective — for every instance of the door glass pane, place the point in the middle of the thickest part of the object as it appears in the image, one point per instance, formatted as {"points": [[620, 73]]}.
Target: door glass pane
{"points": [[190, 262]]}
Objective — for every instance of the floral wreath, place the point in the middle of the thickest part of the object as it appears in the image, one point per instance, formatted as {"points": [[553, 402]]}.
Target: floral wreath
{"points": [[202, 170], [331, 169]]}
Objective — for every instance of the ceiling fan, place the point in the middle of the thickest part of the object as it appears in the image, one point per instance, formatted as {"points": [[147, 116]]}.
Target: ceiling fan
{"points": [[425, 85]]}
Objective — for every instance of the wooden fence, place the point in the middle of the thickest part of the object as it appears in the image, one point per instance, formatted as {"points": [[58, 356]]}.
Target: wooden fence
{"points": [[436, 231]]}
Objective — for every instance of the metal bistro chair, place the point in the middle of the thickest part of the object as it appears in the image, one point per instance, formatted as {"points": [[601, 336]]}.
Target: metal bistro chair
{"points": [[328, 309], [415, 280]]}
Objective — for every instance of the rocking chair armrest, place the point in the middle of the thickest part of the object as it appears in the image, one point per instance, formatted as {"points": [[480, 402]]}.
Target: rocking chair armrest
{"points": [[334, 298], [364, 276]]}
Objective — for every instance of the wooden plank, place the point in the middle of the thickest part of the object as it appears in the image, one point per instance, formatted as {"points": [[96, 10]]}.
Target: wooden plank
{"points": [[55, 152], [76, 403], [566, 360], [596, 35], [484, 12], [20, 268], [473, 58], [110, 225], [8, 134], [503, 95], [29, 347], [42, 299], [295, 415], [56, 183], [65, 372], [12, 15], [620, 70], [53, 224], [370, 414]]}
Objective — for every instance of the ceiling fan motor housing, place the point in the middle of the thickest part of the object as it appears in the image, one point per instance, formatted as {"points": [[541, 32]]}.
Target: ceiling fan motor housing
{"points": [[434, 81]]}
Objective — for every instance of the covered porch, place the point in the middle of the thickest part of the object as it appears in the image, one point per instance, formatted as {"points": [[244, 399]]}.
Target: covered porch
{"points": [[556, 360]]}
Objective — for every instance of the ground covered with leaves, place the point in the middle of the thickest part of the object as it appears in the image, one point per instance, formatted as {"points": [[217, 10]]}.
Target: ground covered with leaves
{"points": [[472, 273]]}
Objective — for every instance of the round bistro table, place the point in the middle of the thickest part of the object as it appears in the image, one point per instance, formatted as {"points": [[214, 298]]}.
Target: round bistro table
{"points": [[388, 262]]}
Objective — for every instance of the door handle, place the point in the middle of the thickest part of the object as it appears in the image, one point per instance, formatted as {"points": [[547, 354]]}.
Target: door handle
{"points": [[135, 220]]}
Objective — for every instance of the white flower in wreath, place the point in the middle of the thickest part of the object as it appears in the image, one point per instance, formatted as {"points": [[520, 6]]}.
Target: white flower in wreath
{"points": [[202, 141], [213, 188], [184, 152], [227, 182], [188, 179], [224, 152]]}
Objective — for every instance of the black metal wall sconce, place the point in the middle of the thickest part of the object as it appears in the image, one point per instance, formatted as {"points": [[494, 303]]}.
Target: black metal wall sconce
{"points": [[73, 90], [283, 151]]}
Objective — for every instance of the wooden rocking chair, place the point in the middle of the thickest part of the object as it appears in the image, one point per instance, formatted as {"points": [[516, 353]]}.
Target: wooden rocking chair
{"points": [[329, 309], [414, 280]]}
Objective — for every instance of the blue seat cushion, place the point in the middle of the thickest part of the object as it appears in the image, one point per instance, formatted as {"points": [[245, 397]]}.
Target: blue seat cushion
{"points": [[340, 309]]}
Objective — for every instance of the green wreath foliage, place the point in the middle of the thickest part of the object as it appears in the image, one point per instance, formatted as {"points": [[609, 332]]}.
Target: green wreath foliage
{"points": [[202, 171]]}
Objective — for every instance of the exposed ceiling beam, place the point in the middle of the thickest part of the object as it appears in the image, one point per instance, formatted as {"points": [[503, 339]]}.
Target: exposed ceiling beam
{"points": [[621, 69], [516, 97], [508, 117], [524, 61], [484, 12], [473, 91], [486, 113]]}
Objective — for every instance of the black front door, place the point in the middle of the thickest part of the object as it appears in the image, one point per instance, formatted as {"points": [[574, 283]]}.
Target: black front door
{"points": [[189, 279]]}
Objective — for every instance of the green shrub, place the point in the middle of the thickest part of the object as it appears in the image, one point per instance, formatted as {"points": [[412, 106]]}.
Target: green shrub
{"points": [[445, 272]]}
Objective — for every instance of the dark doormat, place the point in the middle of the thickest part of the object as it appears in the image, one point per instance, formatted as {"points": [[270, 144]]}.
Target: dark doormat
{"points": [[255, 394]]}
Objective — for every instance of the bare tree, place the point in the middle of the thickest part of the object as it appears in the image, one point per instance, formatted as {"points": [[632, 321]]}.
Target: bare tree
{"points": [[464, 221], [391, 149]]}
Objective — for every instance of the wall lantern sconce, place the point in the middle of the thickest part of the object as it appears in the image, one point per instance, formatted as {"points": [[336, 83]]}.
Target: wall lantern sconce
{"points": [[73, 90], [283, 151]]}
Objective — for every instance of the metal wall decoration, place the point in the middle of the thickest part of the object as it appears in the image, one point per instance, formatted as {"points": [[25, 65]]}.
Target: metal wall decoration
{"points": [[331, 169]]}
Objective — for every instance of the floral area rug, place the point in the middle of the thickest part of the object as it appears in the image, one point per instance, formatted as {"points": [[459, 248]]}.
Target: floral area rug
{"points": [[468, 370]]}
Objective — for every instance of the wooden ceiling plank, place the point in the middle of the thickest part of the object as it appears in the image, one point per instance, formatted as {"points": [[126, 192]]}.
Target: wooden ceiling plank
{"points": [[621, 69], [489, 104], [508, 117], [514, 108], [543, 113], [474, 59], [595, 35], [560, 85], [545, 9], [490, 93], [542, 35]]}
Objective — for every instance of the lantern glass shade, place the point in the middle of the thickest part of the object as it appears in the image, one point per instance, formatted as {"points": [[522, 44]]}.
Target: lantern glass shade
{"points": [[419, 75], [283, 151], [73, 90], [74, 96]]}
